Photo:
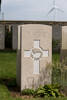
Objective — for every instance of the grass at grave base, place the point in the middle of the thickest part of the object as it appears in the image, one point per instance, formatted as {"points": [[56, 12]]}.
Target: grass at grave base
{"points": [[8, 76], [56, 57]]}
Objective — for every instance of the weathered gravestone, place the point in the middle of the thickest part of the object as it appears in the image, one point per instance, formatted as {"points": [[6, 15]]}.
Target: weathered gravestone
{"points": [[64, 43], [34, 55], [56, 36], [2, 37], [14, 36], [57, 32]]}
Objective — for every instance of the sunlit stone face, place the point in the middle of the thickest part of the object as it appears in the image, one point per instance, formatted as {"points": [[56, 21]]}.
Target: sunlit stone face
{"points": [[64, 44]]}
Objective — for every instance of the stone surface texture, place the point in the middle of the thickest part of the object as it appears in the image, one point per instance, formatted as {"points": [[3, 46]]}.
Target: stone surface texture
{"points": [[14, 36], [57, 36], [64, 43], [57, 31]]}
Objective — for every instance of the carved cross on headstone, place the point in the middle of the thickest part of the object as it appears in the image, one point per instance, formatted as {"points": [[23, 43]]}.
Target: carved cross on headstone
{"points": [[36, 53]]}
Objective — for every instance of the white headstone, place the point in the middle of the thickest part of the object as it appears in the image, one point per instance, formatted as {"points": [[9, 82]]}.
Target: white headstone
{"points": [[35, 53]]}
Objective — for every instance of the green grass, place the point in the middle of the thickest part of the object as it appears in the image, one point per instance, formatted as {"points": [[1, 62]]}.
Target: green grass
{"points": [[7, 64], [7, 72], [56, 57], [8, 76]]}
